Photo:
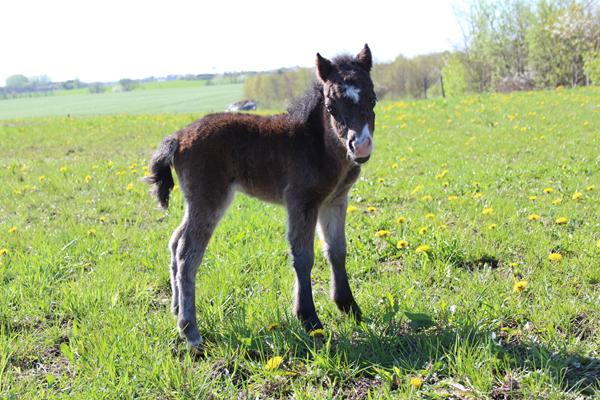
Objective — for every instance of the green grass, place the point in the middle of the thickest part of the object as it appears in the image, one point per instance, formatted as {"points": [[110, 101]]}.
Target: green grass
{"points": [[84, 287], [151, 100]]}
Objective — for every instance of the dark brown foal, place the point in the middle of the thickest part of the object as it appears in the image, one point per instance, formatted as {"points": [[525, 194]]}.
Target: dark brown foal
{"points": [[306, 159]]}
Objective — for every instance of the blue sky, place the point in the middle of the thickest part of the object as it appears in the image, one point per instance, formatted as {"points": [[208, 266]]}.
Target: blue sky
{"points": [[109, 39]]}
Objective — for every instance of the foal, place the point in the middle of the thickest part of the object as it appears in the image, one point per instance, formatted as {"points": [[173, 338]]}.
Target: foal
{"points": [[306, 159]]}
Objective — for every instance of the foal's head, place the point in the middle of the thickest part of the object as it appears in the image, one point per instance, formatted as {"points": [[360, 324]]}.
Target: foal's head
{"points": [[349, 101]]}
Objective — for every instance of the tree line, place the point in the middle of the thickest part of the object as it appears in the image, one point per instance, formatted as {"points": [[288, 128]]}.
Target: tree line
{"points": [[508, 45]]}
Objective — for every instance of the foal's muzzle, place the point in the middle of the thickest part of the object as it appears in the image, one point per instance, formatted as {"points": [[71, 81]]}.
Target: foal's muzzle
{"points": [[360, 144]]}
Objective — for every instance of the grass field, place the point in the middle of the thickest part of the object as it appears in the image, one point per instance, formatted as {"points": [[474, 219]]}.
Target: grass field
{"points": [[151, 98], [474, 252]]}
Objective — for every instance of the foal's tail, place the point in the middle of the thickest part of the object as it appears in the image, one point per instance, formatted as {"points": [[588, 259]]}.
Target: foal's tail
{"points": [[160, 170]]}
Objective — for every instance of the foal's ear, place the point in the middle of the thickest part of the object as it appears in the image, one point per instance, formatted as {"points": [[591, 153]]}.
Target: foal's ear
{"points": [[364, 58], [324, 68]]}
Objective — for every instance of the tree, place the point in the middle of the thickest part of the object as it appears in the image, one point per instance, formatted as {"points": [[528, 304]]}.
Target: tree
{"points": [[17, 82]]}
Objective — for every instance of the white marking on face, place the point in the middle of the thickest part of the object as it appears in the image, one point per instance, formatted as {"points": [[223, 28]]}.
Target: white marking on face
{"points": [[352, 92]]}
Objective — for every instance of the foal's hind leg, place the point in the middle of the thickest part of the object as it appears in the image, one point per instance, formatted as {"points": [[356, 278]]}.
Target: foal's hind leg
{"points": [[203, 217], [173, 243], [331, 227]]}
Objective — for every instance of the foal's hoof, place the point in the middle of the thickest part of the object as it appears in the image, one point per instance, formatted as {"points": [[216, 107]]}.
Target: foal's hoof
{"points": [[352, 309], [312, 324]]}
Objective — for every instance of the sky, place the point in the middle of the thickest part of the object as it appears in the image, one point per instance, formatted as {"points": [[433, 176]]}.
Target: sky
{"points": [[107, 40]]}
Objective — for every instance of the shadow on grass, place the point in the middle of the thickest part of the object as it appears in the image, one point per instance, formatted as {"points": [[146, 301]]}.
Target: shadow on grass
{"points": [[420, 345]]}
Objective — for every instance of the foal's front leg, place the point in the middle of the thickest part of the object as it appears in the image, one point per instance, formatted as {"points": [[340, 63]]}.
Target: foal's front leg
{"points": [[302, 219], [332, 221]]}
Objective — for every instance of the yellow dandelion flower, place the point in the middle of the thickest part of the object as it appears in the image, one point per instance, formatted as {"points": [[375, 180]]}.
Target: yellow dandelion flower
{"points": [[555, 257], [476, 184], [12, 229], [272, 326], [273, 363], [443, 227], [351, 209], [416, 382], [3, 252], [556, 202], [452, 198], [478, 195], [41, 178], [382, 233], [548, 190], [561, 220], [130, 187], [402, 244], [488, 211], [424, 248], [491, 227], [446, 184], [63, 169], [532, 198], [534, 217], [426, 198], [103, 219], [590, 188], [519, 286], [91, 232], [441, 174], [430, 216], [317, 332], [371, 209], [88, 179], [417, 189], [422, 230], [513, 264], [598, 243], [401, 220], [394, 166], [120, 173], [109, 164], [577, 196]]}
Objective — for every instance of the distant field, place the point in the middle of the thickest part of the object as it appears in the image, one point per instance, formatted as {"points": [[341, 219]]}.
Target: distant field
{"points": [[474, 251], [194, 98]]}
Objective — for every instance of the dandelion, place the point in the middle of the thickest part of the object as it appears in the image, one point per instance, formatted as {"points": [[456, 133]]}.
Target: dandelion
{"points": [[556, 202], [41, 178], [91, 232], [441, 174], [351, 209], [430, 216], [109, 164], [417, 189], [273, 363], [452, 198], [519, 286], [577, 196], [534, 217], [446, 184], [394, 166], [272, 326], [371, 209], [88, 179], [12, 229], [381, 180], [401, 220], [598, 243], [424, 248], [491, 227], [478, 195], [590, 188], [532, 198], [426, 198], [555, 257], [402, 244], [513, 264], [488, 211], [548, 190], [382, 233], [422, 230], [3, 252], [130, 187], [63, 169], [103, 219], [317, 333], [561, 220], [120, 173], [416, 382], [476, 184]]}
